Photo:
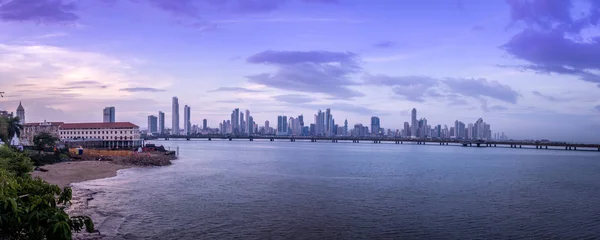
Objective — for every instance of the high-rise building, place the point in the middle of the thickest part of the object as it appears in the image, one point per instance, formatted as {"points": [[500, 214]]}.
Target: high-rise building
{"points": [[407, 132], [161, 122], [249, 124], [187, 121], [328, 118], [301, 120], [414, 123], [346, 127], [204, 124], [175, 116], [242, 123], [235, 121], [267, 124], [479, 129], [375, 125], [470, 132], [108, 114], [282, 125], [250, 129], [152, 124], [21, 113]]}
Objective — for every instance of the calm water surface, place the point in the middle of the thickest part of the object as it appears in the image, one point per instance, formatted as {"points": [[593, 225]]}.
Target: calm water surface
{"points": [[304, 190]]}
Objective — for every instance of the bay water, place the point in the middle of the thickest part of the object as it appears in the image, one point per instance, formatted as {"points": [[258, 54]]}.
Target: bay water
{"points": [[305, 190]]}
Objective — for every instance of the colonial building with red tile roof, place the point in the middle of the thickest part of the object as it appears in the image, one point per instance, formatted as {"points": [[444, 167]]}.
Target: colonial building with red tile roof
{"points": [[101, 134], [30, 130]]}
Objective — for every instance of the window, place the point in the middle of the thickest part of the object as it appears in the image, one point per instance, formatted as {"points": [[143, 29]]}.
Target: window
{"points": [[121, 132]]}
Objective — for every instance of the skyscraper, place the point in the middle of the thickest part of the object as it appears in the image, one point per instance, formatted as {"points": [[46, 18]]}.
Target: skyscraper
{"points": [[414, 123], [282, 125], [187, 127], [249, 125], [235, 121], [346, 127], [175, 117], [242, 123], [161, 122], [21, 113], [301, 120], [109, 114], [328, 118], [407, 132], [152, 124], [374, 125], [204, 124]]}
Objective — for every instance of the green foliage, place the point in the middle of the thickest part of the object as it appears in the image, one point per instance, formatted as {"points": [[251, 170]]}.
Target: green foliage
{"points": [[44, 140], [3, 129], [31, 208], [13, 127]]}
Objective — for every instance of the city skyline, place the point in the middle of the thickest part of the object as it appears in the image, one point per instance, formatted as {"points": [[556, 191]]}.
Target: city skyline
{"points": [[358, 59]]}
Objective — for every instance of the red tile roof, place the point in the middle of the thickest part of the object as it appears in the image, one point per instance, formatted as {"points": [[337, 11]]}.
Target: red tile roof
{"points": [[98, 125], [37, 124]]}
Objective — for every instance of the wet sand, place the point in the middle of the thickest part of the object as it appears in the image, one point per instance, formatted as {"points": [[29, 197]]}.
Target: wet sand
{"points": [[65, 173]]}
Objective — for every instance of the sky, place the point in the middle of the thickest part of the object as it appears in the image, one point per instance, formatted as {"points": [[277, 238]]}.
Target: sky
{"points": [[529, 68]]}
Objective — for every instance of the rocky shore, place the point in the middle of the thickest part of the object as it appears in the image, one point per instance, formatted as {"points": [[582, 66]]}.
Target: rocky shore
{"points": [[90, 167]]}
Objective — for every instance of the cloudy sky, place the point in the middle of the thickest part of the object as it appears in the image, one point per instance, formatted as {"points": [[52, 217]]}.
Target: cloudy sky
{"points": [[530, 68]]}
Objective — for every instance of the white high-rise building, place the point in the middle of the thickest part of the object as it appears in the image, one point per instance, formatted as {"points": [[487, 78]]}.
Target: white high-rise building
{"points": [[249, 124], [187, 127], [175, 117]]}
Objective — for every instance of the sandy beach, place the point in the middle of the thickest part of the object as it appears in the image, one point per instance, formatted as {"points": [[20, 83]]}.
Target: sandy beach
{"points": [[65, 173]]}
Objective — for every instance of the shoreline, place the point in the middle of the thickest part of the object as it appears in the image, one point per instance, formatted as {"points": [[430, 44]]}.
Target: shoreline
{"points": [[65, 173], [87, 168]]}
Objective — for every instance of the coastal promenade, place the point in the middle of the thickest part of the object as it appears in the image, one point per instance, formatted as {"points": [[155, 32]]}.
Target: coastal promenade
{"points": [[445, 142]]}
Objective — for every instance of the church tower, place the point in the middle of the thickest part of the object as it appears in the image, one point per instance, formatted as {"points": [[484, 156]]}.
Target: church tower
{"points": [[21, 113]]}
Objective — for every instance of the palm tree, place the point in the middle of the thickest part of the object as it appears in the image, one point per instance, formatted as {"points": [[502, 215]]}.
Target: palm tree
{"points": [[14, 127]]}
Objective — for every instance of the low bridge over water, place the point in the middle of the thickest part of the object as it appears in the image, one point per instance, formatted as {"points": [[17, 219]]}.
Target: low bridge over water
{"points": [[465, 143]]}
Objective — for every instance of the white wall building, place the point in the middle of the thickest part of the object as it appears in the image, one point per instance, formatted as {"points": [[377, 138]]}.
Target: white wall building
{"points": [[118, 134]]}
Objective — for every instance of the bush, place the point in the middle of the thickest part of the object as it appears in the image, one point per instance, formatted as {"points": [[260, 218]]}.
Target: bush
{"points": [[43, 159], [31, 208]]}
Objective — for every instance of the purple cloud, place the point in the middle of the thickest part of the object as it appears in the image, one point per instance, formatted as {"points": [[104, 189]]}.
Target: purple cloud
{"points": [[597, 108], [293, 98], [541, 13], [295, 57], [41, 11], [498, 108], [550, 98], [312, 71], [235, 89], [142, 89], [64, 11], [413, 88], [385, 44], [552, 52], [548, 44], [481, 87]]}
